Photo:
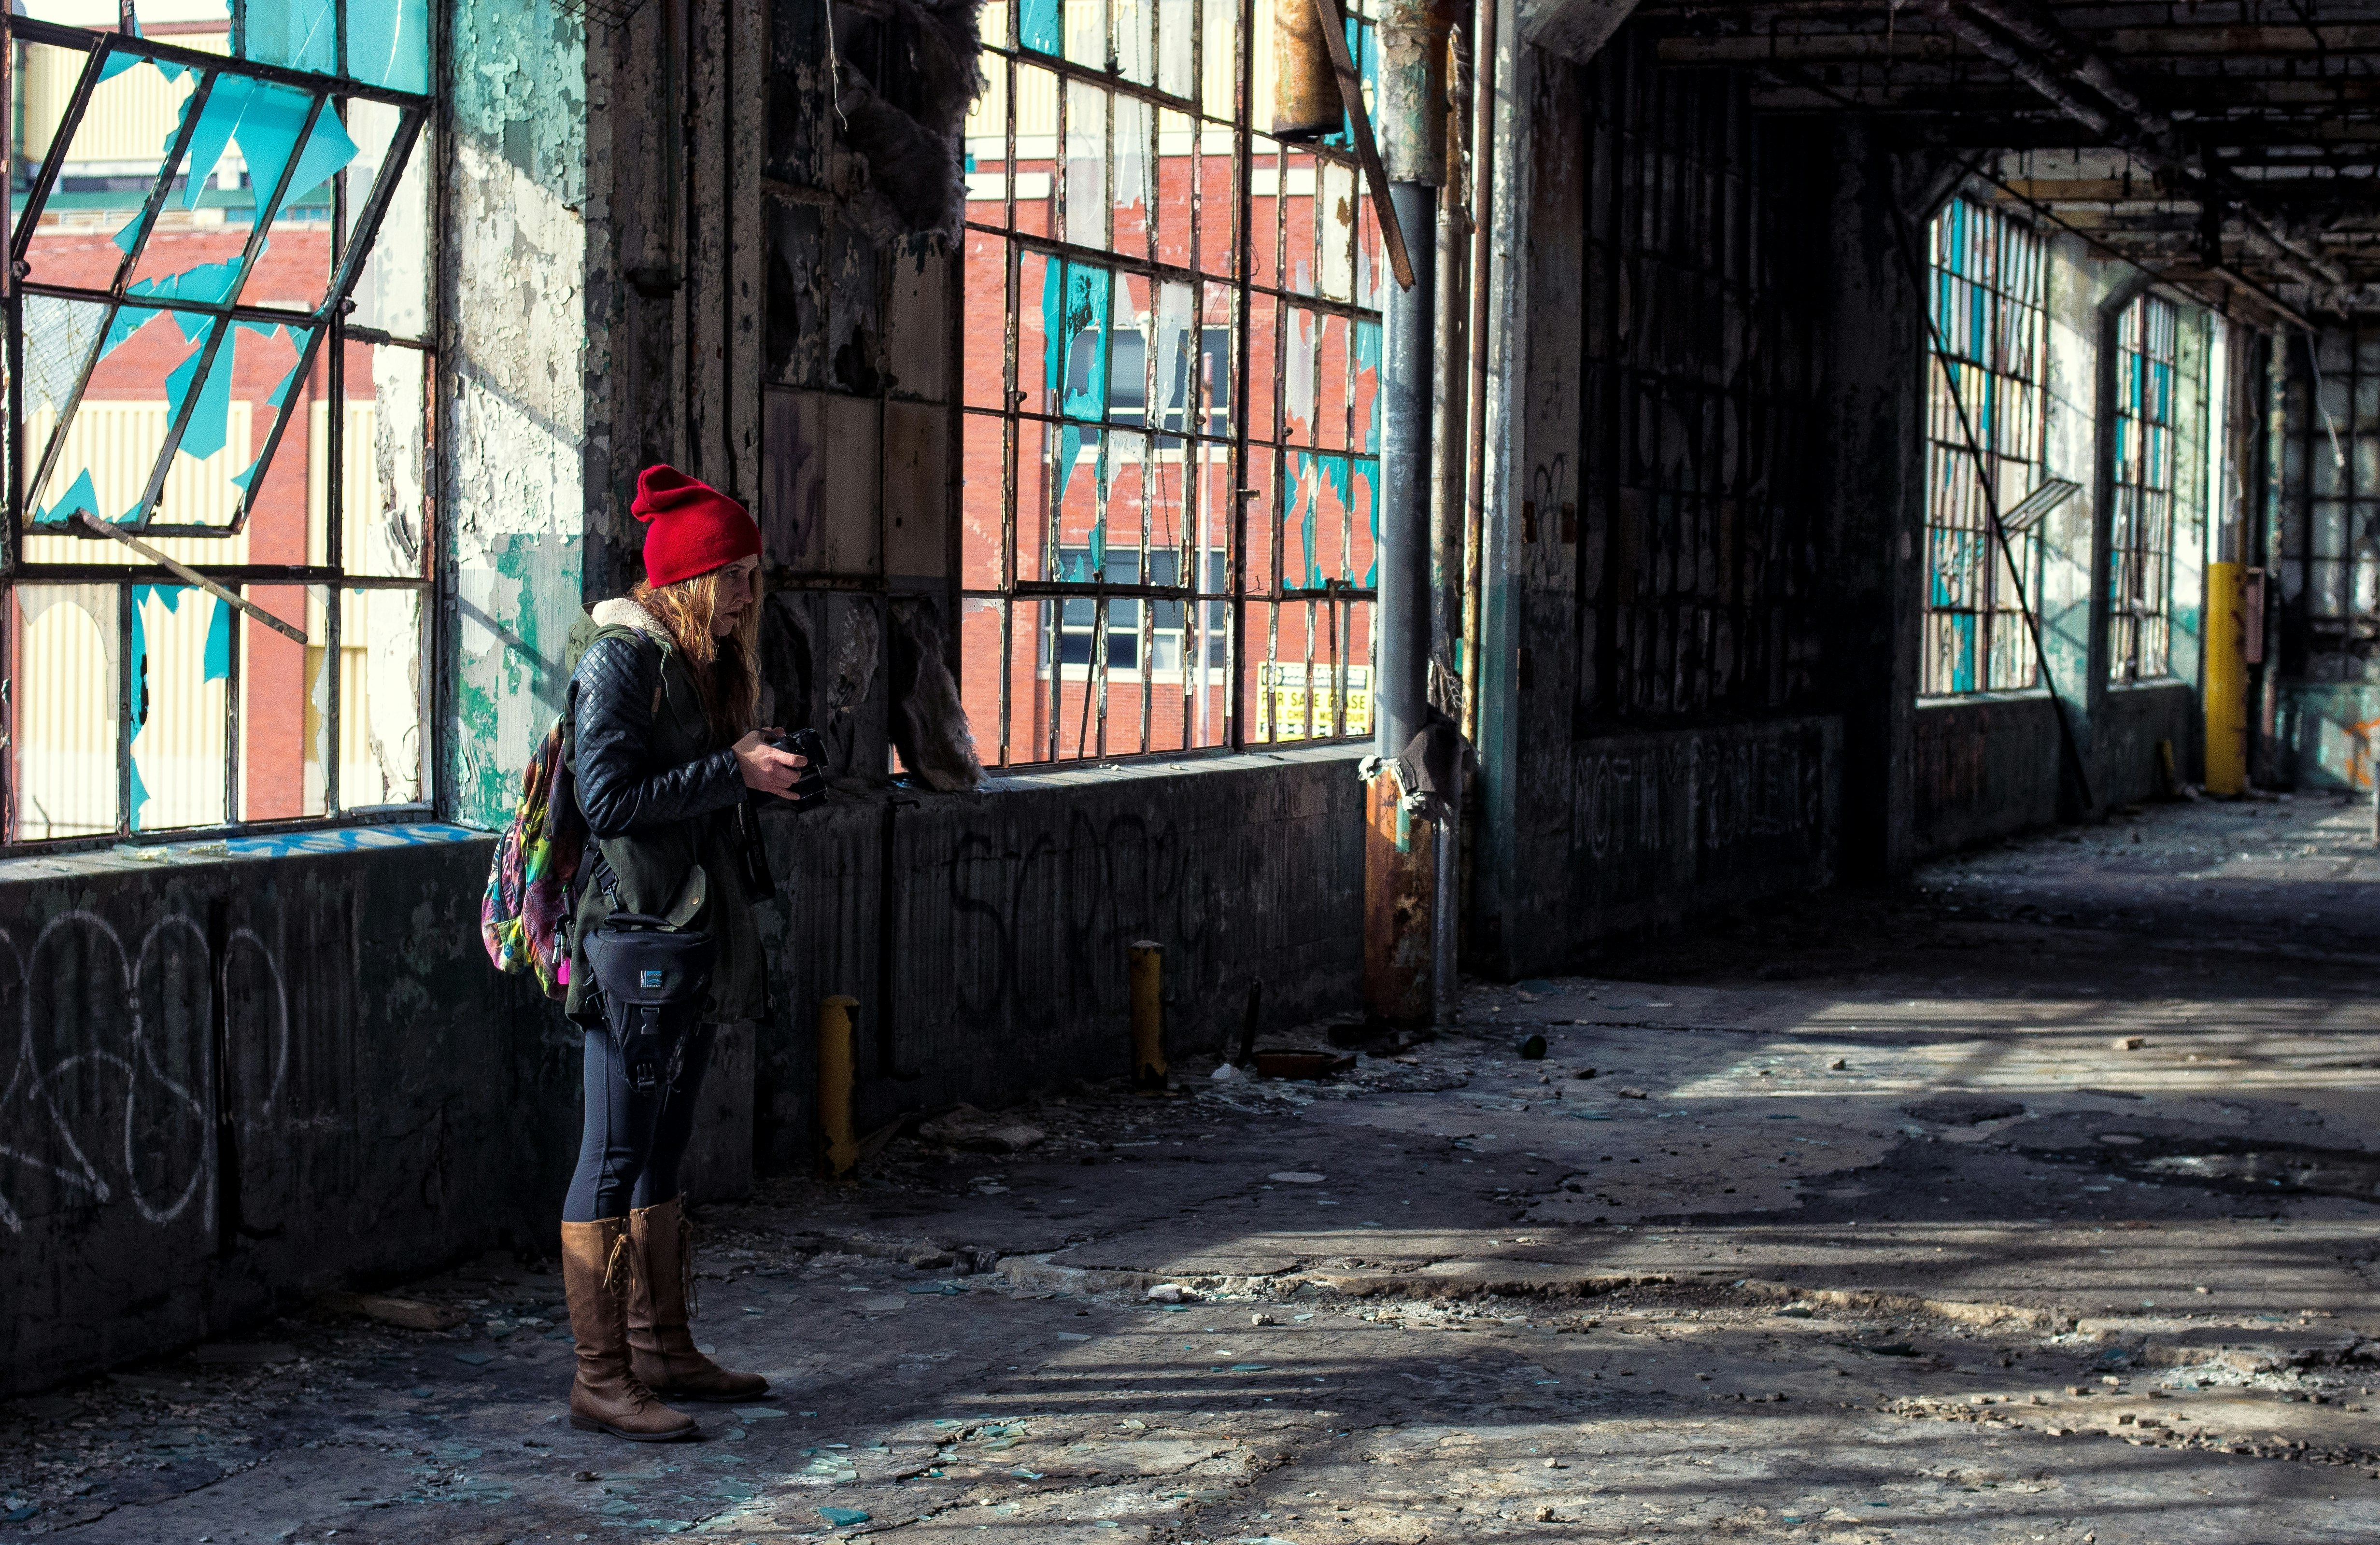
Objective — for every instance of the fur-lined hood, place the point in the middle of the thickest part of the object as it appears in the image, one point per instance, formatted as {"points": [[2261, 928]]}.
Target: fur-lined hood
{"points": [[622, 612]]}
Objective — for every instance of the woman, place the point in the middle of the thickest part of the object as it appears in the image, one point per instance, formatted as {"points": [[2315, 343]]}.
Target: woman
{"points": [[664, 687]]}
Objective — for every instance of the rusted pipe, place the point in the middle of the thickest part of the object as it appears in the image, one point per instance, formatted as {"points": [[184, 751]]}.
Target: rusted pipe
{"points": [[1305, 100], [834, 1078], [1146, 979]]}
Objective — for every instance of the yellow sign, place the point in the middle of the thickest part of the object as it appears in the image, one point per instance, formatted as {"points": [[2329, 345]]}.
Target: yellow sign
{"points": [[1285, 689]]}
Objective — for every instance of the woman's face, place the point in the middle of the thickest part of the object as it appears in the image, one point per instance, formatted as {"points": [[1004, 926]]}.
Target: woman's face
{"points": [[739, 585]]}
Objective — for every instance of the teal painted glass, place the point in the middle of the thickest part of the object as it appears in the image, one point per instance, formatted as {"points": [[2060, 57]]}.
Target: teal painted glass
{"points": [[298, 339], [1367, 372], [299, 34], [216, 666], [1041, 27], [1363, 50], [208, 429], [388, 43], [1075, 353]]}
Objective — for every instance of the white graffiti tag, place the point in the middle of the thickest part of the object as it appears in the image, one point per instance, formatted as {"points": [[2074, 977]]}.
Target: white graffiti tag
{"points": [[107, 1094]]}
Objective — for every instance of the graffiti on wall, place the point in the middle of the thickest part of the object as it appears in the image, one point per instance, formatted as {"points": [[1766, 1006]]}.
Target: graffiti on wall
{"points": [[108, 1074], [1707, 792]]}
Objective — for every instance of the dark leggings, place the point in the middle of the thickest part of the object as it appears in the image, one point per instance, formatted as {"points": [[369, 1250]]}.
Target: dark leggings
{"points": [[629, 1156]]}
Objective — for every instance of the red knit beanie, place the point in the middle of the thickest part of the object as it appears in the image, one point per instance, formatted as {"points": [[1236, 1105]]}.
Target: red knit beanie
{"points": [[690, 527]]}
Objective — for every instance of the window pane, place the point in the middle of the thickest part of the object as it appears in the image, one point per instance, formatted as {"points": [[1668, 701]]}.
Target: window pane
{"points": [[181, 661], [388, 43], [1118, 435], [384, 488], [393, 289], [281, 718], [381, 689], [64, 647], [113, 158]]}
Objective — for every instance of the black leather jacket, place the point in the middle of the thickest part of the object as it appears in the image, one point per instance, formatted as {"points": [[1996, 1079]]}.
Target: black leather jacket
{"points": [[620, 788], [657, 795]]}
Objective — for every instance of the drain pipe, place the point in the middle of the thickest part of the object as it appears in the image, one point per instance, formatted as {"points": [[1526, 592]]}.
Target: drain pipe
{"points": [[1401, 890]]}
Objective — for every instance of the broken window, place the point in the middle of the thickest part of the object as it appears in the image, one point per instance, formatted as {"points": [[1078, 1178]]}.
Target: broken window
{"points": [[1988, 295], [1173, 361], [219, 394], [2329, 559], [1691, 505], [2141, 484]]}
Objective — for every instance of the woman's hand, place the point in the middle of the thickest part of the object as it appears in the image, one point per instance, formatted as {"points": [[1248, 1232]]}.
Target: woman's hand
{"points": [[764, 767]]}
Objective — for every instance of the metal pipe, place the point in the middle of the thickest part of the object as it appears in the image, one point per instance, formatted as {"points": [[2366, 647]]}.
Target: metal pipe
{"points": [[1146, 980], [1482, 181], [1401, 695], [834, 1079], [1305, 100]]}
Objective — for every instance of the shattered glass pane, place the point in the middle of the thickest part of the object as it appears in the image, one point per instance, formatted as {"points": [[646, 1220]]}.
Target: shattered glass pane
{"points": [[220, 452], [281, 742], [117, 153], [301, 34], [1136, 202], [1041, 25], [1220, 45], [384, 488], [63, 639], [1135, 40], [1088, 41], [112, 444], [392, 287], [380, 651], [59, 336], [1177, 66], [1086, 212], [388, 43], [181, 641]]}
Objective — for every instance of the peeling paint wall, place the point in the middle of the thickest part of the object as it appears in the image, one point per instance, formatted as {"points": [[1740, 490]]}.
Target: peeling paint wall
{"points": [[515, 408]]}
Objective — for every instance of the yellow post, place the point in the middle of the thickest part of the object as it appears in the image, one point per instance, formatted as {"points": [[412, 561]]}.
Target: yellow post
{"points": [[834, 1086], [2226, 680], [1147, 978]]}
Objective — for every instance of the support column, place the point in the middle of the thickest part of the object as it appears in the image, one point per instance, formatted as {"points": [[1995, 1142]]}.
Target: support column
{"points": [[1401, 885]]}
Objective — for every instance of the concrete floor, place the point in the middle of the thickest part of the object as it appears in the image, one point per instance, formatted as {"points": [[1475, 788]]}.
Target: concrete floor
{"points": [[2035, 1203]]}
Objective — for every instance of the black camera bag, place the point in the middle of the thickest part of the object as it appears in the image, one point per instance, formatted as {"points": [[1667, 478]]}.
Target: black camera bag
{"points": [[651, 978]]}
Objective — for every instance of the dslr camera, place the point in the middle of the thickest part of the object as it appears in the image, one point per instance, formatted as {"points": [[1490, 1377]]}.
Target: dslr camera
{"points": [[758, 884]]}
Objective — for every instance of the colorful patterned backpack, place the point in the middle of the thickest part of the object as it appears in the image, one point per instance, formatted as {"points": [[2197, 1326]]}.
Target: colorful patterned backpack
{"points": [[532, 886]]}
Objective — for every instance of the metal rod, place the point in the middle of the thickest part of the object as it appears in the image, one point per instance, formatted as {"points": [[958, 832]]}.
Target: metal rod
{"points": [[1367, 150], [186, 573]]}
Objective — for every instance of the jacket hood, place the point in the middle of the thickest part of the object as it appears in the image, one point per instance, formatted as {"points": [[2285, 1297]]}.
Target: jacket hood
{"points": [[622, 612]]}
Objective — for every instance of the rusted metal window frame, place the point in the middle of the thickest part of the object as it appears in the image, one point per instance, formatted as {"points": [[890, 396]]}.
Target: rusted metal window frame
{"points": [[1337, 600], [2142, 490], [327, 324], [1952, 478], [2326, 509]]}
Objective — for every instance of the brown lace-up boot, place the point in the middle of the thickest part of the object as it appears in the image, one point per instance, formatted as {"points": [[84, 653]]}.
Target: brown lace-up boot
{"points": [[606, 1396], [661, 1304]]}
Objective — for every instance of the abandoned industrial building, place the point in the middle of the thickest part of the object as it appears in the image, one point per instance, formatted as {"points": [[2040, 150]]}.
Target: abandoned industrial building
{"points": [[1531, 769]]}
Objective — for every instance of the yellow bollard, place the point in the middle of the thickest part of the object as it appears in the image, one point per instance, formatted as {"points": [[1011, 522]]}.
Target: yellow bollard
{"points": [[834, 1086], [2227, 680], [1147, 978]]}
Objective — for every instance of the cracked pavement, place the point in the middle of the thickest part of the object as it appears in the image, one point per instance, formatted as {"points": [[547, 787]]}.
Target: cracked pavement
{"points": [[2012, 1206]]}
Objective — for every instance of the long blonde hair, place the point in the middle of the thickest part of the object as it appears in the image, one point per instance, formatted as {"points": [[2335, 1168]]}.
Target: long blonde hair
{"points": [[727, 670]]}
